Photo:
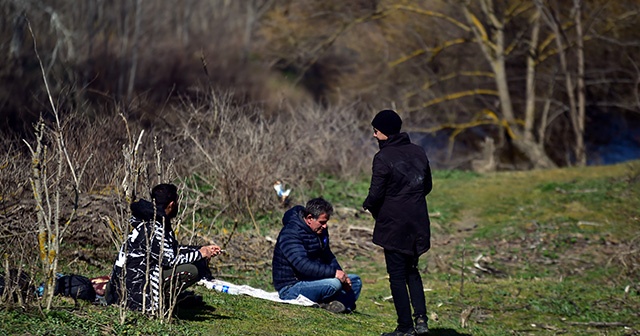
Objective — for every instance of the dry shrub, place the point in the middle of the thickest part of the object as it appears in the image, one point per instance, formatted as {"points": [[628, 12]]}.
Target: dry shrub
{"points": [[16, 200], [17, 278], [18, 229], [241, 152], [236, 152]]}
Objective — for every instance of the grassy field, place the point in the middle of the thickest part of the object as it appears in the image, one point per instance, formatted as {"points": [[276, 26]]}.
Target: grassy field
{"points": [[514, 253]]}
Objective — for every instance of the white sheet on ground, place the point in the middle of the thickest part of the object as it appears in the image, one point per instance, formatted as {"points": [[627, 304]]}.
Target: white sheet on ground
{"points": [[234, 289]]}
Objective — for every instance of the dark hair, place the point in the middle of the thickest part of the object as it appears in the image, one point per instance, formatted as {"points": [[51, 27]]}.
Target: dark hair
{"points": [[163, 194], [318, 206]]}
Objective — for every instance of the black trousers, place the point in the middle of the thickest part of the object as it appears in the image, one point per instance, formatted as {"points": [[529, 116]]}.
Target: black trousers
{"points": [[403, 274], [186, 275]]}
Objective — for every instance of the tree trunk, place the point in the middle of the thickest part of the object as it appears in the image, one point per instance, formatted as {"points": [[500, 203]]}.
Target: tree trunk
{"points": [[530, 104], [535, 153], [492, 45], [580, 152]]}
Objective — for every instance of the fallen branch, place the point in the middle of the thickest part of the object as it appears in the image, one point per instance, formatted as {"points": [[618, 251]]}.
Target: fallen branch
{"points": [[548, 327], [255, 224], [465, 315], [598, 324], [476, 264], [588, 223], [17, 234], [360, 228]]}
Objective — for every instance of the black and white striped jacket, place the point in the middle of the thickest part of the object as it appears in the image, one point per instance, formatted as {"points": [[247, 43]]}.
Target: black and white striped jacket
{"points": [[150, 247]]}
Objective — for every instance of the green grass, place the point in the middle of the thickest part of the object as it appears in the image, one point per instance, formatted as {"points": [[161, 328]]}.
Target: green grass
{"points": [[562, 245]]}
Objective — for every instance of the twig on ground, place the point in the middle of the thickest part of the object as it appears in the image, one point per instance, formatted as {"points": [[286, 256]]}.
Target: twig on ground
{"points": [[465, 315], [547, 327], [597, 324], [255, 224]]}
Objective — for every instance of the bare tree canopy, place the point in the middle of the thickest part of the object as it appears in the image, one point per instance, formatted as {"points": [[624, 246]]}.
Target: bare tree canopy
{"points": [[537, 77]]}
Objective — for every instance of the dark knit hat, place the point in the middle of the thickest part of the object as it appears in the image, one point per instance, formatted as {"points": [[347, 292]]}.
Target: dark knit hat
{"points": [[388, 122]]}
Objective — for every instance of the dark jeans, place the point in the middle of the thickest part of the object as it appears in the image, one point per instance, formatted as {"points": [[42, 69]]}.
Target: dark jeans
{"points": [[187, 274], [403, 274]]}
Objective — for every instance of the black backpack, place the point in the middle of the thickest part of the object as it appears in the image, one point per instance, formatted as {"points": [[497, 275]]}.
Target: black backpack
{"points": [[75, 286]]}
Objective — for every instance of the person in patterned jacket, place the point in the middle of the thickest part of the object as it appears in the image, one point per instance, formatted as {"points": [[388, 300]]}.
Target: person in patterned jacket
{"points": [[151, 256]]}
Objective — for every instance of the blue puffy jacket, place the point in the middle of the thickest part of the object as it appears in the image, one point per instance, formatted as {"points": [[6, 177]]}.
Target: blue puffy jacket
{"points": [[300, 254]]}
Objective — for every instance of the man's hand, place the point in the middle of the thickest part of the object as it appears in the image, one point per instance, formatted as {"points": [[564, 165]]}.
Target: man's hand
{"points": [[346, 281], [210, 251]]}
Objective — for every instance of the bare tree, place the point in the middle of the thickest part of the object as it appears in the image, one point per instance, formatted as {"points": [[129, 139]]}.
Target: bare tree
{"points": [[490, 36], [49, 212], [576, 104], [497, 29], [484, 24]]}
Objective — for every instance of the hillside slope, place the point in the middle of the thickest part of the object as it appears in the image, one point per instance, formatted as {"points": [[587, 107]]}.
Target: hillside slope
{"points": [[514, 253]]}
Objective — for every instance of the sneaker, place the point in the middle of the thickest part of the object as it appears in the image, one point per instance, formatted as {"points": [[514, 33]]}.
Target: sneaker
{"points": [[421, 326], [334, 307], [399, 333]]}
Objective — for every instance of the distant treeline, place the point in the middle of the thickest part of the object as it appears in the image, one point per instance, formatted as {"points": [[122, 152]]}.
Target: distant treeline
{"points": [[537, 78]]}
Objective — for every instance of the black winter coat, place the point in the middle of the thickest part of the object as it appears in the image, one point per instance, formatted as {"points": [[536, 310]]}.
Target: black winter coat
{"points": [[300, 254], [400, 182]]}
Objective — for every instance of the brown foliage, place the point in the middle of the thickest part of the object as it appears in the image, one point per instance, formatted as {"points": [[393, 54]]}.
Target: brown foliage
{"points": [[401, 54], [243, 151], [237, 153]]}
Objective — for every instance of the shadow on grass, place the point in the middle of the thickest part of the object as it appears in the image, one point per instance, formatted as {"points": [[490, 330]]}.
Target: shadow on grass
{"points": [[202, 313], [445, 332]]}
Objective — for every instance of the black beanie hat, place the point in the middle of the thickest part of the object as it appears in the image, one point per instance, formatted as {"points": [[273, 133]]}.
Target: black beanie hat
{"points": [[388, 122]]}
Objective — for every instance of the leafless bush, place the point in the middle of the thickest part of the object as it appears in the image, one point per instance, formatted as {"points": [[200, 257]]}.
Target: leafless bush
{"points": [[240, 152], [19, 270], [13, 176], [17, 232]]}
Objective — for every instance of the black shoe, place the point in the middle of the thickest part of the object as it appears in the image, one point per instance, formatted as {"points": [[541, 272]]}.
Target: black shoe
{"points": [[334, 307], [421, 326], [397, 332], [188, 299]]}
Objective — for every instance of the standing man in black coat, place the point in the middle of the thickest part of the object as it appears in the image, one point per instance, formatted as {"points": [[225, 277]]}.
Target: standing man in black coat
{"points": [[400, 182]]}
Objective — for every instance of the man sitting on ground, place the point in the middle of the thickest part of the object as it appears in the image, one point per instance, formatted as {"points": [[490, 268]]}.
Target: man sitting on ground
{"points": [[303, 263], [151, 255]]}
